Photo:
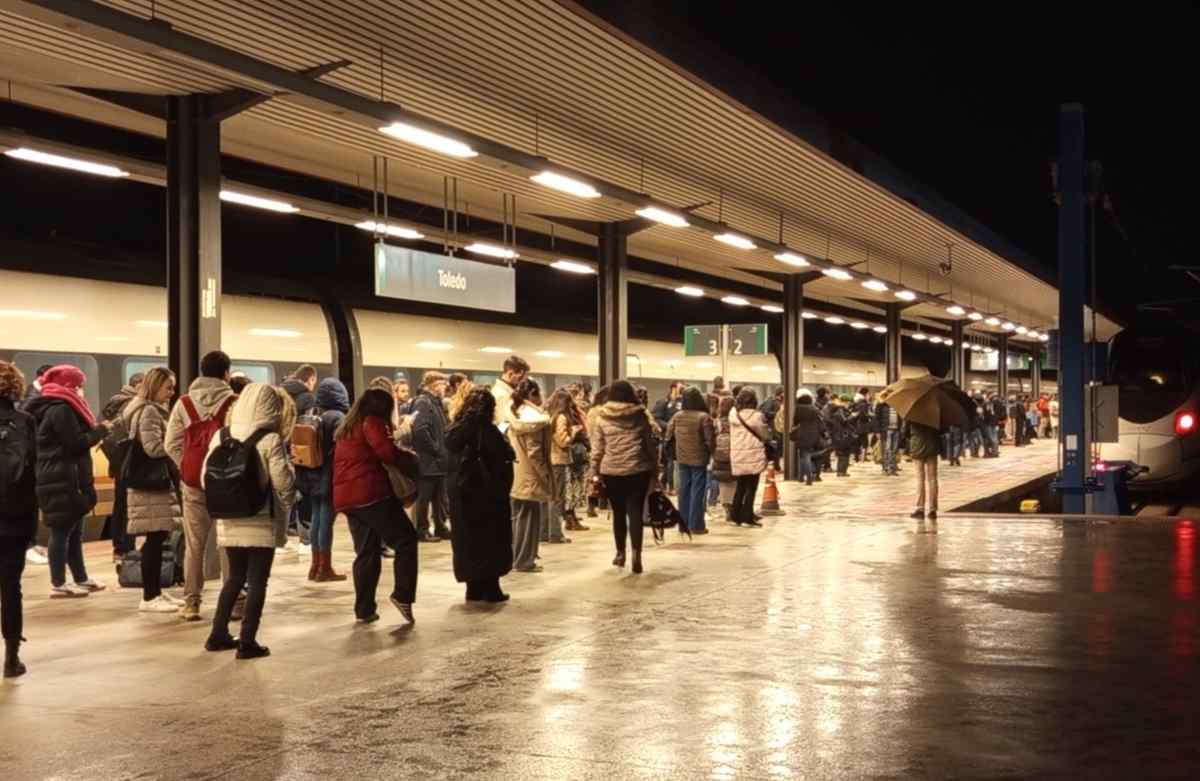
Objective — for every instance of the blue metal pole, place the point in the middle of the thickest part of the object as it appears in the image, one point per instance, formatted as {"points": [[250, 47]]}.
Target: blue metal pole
{"points": [[1072, 285]]}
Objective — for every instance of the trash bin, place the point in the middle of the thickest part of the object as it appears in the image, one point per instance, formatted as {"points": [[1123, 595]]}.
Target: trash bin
{"points": [[1112, 494]]}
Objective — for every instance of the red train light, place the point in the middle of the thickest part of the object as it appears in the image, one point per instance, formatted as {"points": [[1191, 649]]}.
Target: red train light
{"points": [[1185, 422]]}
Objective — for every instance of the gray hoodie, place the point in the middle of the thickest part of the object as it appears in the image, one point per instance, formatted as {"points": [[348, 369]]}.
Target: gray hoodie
{"points": [[208, 394]]}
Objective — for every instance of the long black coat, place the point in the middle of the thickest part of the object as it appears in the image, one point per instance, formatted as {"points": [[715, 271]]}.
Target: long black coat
{"points": [[478, 481], [429, 434], [66, 489]]}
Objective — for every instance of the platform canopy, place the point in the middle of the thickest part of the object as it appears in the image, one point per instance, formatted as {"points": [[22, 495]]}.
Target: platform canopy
{"points": [[530, 86]]}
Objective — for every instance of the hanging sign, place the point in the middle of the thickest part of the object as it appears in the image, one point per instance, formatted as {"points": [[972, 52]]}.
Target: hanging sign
{"points": [[442, 279]]}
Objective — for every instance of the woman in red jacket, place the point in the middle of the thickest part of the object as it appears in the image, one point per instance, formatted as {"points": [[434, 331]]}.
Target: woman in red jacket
{"points": [[362, 491]]}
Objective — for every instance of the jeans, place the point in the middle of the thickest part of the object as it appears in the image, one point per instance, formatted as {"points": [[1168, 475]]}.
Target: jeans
{"points": [[552, 529], [66, 550], [692, 482], [991, 441], [891, 449], [321, 531], [714, 489], [627, 496], [371, 527], [974, 442], [527, 531], [249, 568], [303, 518], [12, 564], [743, 498], [429, 495], [152, 550], [804, 464]]}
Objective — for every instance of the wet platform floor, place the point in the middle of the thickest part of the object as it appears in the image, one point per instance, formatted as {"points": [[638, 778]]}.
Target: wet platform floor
{"points": [[816, 647]]}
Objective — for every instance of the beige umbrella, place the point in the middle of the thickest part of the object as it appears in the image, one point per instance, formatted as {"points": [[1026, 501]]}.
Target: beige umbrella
{"points": [[931, 401]]}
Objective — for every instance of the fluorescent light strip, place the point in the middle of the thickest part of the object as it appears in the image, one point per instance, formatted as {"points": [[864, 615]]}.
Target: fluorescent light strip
{"points": [[859, 325], [920, 337], [880, 329], [663, 216], [905, 295], [975, 316], [398, 231], [956, 310], [837, 273], [875, 284], [834, 320], [809, 315], [428, 140], [566, 184], [573, 266], [491, 250], [792, 259], [993, 321], [688, 290], [734, 240], [735, 301], [771, 308], [1022, 330], [1009, 326], [70, 163], [495, 349], [550, 353], [270, 204], [435, 345]]}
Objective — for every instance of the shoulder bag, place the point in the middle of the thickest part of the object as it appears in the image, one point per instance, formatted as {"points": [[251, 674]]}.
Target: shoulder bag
{"points": [[141, 472], [770, 446]]}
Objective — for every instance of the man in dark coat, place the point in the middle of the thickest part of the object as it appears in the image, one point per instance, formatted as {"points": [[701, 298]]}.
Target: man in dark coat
{"points": [[807, 435], [664, 410], [302, 387], [118, 519], [429, 440]]}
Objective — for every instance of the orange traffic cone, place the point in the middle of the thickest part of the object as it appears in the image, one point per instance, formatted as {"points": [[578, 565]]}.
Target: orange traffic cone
{"points": [[770, 500]]}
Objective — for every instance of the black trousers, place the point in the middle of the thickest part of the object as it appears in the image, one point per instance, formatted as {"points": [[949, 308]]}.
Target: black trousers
{"points": [[431, 493], [743, 498], [249, 568], [372, 527], [627, 497], [118, 521], [152, 550], [12, 564]]}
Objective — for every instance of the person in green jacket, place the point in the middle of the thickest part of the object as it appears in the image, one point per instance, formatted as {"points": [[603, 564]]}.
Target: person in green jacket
{"points": [[924, 445]]}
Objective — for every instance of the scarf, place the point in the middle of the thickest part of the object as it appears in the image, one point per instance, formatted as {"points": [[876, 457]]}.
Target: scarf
{"points": [[62, 383]]}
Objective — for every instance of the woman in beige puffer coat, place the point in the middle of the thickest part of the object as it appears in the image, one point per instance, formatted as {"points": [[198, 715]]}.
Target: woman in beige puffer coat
{"points": [[251, 542], [533, 478], [153, 514]]}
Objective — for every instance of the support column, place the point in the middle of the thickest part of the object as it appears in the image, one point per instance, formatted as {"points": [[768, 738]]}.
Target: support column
{"points": [[958, 358], [893, 343], [612, 302], [1072, 265], [1002, 366], [346, 344], [1035, 373], [793, 362], [193, 236]]}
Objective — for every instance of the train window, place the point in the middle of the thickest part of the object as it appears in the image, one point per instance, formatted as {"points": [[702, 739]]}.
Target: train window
{"points": [[29, 362], [1152, 373], [257, 372], [132, 366], [485, 379]]}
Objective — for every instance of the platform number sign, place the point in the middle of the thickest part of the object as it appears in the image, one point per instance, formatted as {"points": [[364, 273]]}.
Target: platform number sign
{"points": [[748, 339], [702, 340], [724, 340]]}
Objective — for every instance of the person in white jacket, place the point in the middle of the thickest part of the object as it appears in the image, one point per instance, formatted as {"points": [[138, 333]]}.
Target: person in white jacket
{"points": [[251, 542], [748, 431], [515, 370]]}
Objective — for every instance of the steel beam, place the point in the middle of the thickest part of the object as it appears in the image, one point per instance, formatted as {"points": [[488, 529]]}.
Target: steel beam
{"points": [[612, 312], [1002, 366], [1072, 276], [958, 358], [893, 343], [793, 359]]}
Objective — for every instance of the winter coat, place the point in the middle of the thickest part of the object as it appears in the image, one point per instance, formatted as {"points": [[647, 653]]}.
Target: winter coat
{"points": [[114, 406], [770, 408], [34, 391], [207, 394], [304, 398], [66, 489], [563, 435], [18, 515], [334, 402], [260, 407], [359, 478], [837, 424], [150, 511], [923, 442], [721, 467], [479, 480], [503, 392], [664, 410], [529, 435], [429, 434], [808, 430], [746, 451], [623, 440], [694, 435]]}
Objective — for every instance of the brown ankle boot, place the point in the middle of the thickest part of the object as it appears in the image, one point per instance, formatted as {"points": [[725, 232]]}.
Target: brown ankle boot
{"points": [[326, 573], [315, 566]]}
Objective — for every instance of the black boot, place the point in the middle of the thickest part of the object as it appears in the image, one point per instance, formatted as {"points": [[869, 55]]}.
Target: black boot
{"points": [[619, 561], [637, 561], [12, 659]]}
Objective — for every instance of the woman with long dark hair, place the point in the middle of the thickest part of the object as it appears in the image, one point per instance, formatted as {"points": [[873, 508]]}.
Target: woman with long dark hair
{"points": [[533, 480], [479, 480], [624, 455], [565, 427], [362, 490]]}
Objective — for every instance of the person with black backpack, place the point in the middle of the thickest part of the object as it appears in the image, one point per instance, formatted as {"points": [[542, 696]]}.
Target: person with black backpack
{"points": [[249, 488], [18, 509], [113, 447], [333, 402]]}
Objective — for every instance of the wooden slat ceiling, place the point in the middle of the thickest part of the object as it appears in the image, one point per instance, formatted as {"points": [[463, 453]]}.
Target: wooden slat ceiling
{"points": [[537, 75]]}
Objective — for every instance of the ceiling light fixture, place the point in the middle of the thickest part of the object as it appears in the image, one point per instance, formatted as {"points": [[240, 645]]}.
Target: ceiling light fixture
{"points": [[398, 231], [875, 284], [70, 163], [663, 216], [880, 329], [428, 140], [688, 290], [837, 273], [834, 320], [935, 339], [1007, 326], [1022, 330], [565, 184], [792, 259], [573, 266], [993, 321], [974, 316], [549, 353], [495, 349], [809, 315], [920, 337], [1044, 338], [859, 325], [492, 250], [771, 308], [956, 310], [435, 345], [734, 240], [905, 295], [270, 204], [735, 301]]}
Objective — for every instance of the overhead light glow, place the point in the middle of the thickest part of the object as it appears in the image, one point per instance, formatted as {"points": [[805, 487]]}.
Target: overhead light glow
{"points": [[956, 310], [1044, 338], [424, 138], [734, 240], [974, 316], [859, 325], [771, 308], [920, 337], [935, 339], [735, 301], [495, 349], [33, 314], [398, 231], [834, 320], [688, 290], [550, 353], [662, 215], [993, 321], [837, 273], [1007, 326], [792, 259], [880, 329], [905, 295], [279, 333], [705, 365], [435, 345], [989, 350], [71, 163], [566, 184], [875, 284], [270, 204], [573, 266], [492, 250], [809, 315], [1022, 330]]}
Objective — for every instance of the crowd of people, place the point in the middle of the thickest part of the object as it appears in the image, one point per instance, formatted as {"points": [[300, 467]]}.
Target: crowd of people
{"points": [[218, 475]]}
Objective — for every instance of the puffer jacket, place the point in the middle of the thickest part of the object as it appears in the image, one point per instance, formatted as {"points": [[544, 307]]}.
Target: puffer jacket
{"points": [[150, 511], [563, 435], [746, 453], [807, 431], [623, 440], [694, 435], [359, 476], [207, 394], [66, 487], [259, 407], [429, 434], [530, 437], [18, 515]]}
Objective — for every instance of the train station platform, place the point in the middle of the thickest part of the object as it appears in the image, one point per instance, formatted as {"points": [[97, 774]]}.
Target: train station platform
{"points": [[824, 645]]}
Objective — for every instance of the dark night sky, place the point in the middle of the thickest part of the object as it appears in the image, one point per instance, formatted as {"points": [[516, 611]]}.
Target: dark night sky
{"points": [[965, 102]]}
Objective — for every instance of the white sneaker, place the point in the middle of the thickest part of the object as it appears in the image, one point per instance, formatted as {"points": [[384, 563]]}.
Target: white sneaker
{"points": [[158, 605], [305, 551], [173, 600], [91, 585], [68, 591], [36, 555]]}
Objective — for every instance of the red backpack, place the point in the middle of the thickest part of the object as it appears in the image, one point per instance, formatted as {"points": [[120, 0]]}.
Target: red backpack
{"points": [[197, 437]]}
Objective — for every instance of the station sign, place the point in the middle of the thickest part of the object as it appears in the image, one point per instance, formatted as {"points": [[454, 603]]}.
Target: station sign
{"points": [[702, 340], [748, 339], [443, 279]]}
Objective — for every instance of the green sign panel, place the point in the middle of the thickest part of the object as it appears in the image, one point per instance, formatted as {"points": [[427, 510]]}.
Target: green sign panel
{"points": [[748, 339], [702, 340]]}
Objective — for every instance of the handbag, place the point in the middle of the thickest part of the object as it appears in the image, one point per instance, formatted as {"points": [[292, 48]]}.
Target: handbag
{"points": [[143, 473], [770, 446]]}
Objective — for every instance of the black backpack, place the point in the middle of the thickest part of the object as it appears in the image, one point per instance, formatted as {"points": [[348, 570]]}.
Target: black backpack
{"points": [[661, 515], [232, 484], [17, 455]]}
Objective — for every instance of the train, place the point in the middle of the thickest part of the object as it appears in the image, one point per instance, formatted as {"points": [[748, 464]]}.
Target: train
{"points": [[113, 330], [1156, 374]]}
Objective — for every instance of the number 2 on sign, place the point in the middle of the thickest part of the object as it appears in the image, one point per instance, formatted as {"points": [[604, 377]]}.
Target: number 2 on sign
{"points": [[713, 347], [737, 346]]}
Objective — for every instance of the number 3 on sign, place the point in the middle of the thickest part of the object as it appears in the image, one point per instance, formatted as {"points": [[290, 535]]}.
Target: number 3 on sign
{"points": [[713, 348], [737, 346]]}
